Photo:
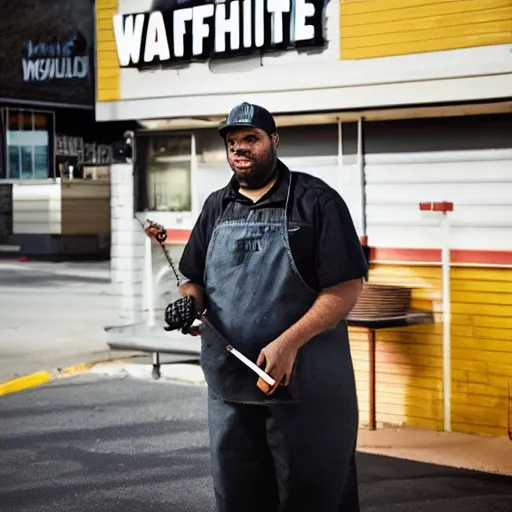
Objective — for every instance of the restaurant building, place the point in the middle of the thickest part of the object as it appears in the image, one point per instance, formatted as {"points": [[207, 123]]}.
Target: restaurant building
{"points": [[391, 103], [54, 157]]}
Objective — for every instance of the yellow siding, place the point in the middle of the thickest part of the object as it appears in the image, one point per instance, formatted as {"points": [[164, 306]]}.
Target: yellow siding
{"points": [[481, 349], [108, 71], [409, 359], [380, 28]]}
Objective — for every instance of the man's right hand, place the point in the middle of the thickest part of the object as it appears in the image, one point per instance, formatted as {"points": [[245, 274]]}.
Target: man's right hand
{"points": [[196, 292], [156, 231]]}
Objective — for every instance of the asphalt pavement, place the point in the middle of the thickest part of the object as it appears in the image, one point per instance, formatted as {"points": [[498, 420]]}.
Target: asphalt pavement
{"points": [[92, 443]]}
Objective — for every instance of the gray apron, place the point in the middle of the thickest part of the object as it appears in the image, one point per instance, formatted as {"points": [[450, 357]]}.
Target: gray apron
{"points": [[296, 453]]}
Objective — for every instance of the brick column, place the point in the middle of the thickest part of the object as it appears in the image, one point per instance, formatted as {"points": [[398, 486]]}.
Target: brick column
{"points": [[127, 249]]}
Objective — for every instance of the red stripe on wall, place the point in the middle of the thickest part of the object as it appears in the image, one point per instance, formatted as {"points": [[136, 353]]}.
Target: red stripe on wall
{"points": [[181, 236], [178, 236], [482, 257], [434, 256], [405, 255]]}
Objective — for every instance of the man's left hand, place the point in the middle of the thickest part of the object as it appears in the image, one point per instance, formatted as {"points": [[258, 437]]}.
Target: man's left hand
{"points": [[279, 357]]}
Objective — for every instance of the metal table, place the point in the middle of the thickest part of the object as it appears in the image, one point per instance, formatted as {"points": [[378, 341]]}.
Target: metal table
{"points": [[413, 317]]}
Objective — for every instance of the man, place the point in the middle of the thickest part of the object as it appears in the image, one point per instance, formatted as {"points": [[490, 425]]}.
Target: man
{"points": [[275, 263]]}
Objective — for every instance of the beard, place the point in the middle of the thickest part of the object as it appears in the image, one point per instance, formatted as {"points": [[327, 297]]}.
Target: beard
{"points": [[257, 173]]}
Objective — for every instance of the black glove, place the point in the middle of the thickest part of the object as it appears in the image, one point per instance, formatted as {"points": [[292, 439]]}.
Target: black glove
{"points": [[181, 314]]}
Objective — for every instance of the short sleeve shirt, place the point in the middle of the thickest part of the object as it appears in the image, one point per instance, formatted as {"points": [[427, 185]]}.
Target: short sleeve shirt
{"points": [[325, 247]]}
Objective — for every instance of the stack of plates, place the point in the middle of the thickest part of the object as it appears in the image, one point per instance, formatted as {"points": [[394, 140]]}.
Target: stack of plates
{"points": [[382, 301]]}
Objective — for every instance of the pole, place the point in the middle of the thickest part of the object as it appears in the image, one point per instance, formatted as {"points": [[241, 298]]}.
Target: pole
{"points": [[360, 165], [443, 208], [371, 381], [445, 259]]}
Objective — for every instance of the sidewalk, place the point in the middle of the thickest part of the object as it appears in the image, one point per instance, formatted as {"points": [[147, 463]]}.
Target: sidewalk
{"points": [[489, 454], [53, 315]]}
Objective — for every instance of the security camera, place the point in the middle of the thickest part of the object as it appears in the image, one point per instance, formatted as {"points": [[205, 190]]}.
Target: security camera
{"points": [[129, 137], [124, 149]]}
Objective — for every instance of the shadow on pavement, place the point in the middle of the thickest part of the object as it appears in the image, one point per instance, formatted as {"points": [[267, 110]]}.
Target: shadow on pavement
{"points": [[391, 484]]}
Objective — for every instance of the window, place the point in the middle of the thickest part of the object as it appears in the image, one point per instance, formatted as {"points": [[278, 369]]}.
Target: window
{"points": [[28, 145], [169, 163]]}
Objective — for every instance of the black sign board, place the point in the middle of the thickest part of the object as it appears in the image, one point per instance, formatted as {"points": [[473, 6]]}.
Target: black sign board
{"points": [[199, 30], [47, 51]]}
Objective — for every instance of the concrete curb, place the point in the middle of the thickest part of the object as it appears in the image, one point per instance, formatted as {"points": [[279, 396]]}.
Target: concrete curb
{"points": [[36, 379], [184, 373], [174, 372]]}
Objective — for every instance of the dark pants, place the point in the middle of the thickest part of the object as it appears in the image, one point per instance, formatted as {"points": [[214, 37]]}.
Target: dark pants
{"points": [[282, 458]]}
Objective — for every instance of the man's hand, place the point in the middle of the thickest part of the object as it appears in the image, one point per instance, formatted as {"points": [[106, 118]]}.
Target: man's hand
{"points": [[332, 306], [279, 358], [195, 291], [156, 231]]}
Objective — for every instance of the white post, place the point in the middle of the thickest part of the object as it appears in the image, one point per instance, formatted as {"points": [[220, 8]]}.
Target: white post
{"points": [[127, 248], [360, 165], [445, 260], [340, 146], [442, 209]]}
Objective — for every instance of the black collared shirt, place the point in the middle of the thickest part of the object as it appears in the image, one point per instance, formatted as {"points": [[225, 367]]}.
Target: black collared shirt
{"points": [[326, 247]]}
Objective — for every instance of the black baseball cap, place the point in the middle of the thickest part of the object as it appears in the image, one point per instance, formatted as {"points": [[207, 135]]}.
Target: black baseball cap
{"points": [[247, 115]]}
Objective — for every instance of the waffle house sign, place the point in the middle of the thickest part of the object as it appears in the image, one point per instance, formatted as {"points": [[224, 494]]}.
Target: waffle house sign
{"points": [[198, 31]]}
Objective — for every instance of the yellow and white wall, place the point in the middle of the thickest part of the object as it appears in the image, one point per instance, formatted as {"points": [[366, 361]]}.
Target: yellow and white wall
{"points": [[409, 102], [379, 53], [409, 364]]}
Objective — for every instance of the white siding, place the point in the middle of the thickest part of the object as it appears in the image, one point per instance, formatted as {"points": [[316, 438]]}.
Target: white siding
{"points": [[478, 182], [37, 208]]}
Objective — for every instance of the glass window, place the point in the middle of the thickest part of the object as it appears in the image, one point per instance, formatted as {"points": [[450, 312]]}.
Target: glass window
{"points": [[14, 162], [28, 143], [168, 173], [27, 164], [41, 162]]}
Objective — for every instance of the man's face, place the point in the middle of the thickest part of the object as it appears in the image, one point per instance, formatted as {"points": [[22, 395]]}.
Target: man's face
{"points": [[252, 156]]}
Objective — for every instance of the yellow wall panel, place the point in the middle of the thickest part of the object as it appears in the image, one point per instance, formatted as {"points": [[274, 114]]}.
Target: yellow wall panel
{"points": [[409, 359], [421, 12], [107, 59], [379, 28], [108, 95], [105, 5], [108, 70], [477, 321], [108, 83], [105, 34], [109, 45]]}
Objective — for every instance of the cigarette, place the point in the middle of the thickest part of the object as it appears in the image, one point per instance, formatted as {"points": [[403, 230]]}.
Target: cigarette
{"points": [[267, 378]]}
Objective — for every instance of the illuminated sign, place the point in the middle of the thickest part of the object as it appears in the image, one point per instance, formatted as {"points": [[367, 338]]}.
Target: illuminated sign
{"points": [[56, 59], [200, 31]]}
